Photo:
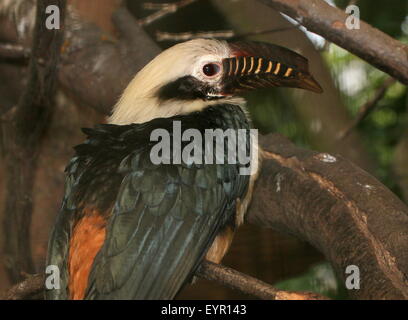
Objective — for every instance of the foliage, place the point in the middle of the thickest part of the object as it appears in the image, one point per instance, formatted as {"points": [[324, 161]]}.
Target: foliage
{"points": [[319, 279]]}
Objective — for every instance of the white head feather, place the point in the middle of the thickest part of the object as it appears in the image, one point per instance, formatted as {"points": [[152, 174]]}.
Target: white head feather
{"points": [[139, 102]]}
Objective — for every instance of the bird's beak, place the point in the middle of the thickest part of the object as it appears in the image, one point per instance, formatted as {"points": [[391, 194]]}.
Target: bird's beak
{"points": [[261, 65]]}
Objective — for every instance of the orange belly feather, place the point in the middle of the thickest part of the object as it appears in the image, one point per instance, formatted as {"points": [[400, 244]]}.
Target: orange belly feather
{"points": [[87, 239]]}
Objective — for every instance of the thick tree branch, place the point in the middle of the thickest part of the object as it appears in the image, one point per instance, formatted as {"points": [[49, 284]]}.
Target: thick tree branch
{"points": [[368, 43], [340, 209], [22, 135], [92, 60], [399, 165]]}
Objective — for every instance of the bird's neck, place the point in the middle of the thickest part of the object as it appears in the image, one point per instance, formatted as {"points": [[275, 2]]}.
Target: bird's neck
{"points": [[133, 109]]}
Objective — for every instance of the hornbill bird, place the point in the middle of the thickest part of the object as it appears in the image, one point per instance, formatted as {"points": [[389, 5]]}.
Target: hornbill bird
{"points": [[130, 228]]}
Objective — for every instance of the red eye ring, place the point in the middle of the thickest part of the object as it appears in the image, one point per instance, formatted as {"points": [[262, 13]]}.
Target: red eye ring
{"points": [[211, 69]]}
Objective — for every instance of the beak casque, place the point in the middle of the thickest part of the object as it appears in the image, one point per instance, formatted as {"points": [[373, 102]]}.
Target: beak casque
{"points": [[262, 65]]}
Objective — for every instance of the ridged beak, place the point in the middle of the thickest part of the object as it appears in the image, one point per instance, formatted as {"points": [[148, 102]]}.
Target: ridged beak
{"points": [[262, 65]]}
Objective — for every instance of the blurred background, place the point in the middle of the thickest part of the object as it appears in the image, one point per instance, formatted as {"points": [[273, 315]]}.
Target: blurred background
{"points": [[378, 143]]}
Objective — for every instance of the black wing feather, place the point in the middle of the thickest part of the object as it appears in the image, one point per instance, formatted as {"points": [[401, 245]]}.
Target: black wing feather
{"points": [[164, 217]]}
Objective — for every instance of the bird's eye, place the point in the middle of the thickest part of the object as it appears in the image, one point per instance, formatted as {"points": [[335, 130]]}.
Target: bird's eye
{"points": [[211, 69]]}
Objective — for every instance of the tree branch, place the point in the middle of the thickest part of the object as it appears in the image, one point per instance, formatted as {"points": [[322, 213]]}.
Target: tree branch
{"points": [[367, 108], [399, 165], [105, 63], [220, 34], [33, 285], [29, 288], [368, 43], [249, 285], [340, 209], [163, 9], [23, 134], [13, 51], [184, 36]]}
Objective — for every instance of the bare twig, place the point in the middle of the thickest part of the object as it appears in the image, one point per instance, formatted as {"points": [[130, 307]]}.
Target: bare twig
{"points": [[32, 286], [367, 108], [13, 51], [184, 36], [326, 46], [163, 9], [368, 43], [222, 34], [249, 285]]}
